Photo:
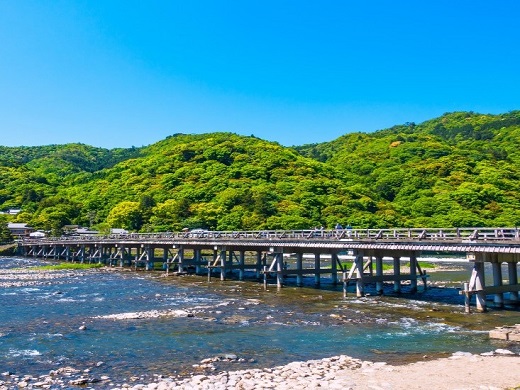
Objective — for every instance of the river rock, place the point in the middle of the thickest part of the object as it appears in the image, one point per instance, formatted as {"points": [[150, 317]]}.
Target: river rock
{"points": [[504, 352]]}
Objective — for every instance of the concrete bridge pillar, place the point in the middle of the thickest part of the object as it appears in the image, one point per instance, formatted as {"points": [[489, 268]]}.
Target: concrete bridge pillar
{"points": [[279, 269], [180, 256], [397, 274], [496, 266], [317, 279], [241, 264], [122, 258], [82, 256], [137, 255], [166, 265], [198, 261], [148, 253], [379, 272], [413, 273], [478, 282], [360, 285], [223, 256], [259, 266], [105, 254], [334, 268], [513, 279], [299, 268]]}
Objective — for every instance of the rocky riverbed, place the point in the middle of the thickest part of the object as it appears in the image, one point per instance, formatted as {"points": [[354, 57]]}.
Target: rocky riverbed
{"points": [[499, 369]]}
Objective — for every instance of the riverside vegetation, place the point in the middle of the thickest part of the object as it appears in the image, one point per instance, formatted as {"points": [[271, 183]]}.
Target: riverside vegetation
{"points": [[461, 169]]}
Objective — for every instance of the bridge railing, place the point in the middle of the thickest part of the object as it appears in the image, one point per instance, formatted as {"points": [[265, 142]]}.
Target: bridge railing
{"points": [[398, 234]]}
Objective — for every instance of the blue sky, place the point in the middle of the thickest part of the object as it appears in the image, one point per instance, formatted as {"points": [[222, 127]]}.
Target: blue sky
{"points": [[129, 73]]}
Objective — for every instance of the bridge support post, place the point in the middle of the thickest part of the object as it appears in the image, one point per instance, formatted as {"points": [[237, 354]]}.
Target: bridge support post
{"points": [[317, 270], [513, 279], [213, 262], [82, 256], [149, 258], [198, 261], [127, 254], [137, 256], [360, 285], [299, 268], [477, 283], [180, 256], [334, 268], [223, 255], [241, 263], [258, 264], [229, 263], [413, 273], [497, 282], [345, 284], [166, 265], [279, 269], [397, 273], [379, 272], [105, 254]]}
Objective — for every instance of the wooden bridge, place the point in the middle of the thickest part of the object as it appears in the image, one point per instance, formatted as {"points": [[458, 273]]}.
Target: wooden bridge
{"points": [[284, 254]]}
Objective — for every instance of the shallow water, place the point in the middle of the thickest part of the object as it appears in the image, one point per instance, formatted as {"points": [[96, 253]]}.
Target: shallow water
{"points": [[39, 328]]}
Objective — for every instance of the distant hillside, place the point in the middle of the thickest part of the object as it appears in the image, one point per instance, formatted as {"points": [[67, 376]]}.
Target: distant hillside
{"points": [[461, 169], [457, 170]]}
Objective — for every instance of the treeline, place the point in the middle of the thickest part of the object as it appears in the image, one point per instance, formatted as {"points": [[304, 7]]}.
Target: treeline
{"points": [[461, 169]]}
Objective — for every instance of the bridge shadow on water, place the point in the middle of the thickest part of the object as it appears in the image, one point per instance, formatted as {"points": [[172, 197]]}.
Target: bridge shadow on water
{"points": [[440, 293]]}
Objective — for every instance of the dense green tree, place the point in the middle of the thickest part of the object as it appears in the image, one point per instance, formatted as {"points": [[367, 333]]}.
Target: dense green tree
{"points": [[460, 169], [126, 215], [5, 233]]}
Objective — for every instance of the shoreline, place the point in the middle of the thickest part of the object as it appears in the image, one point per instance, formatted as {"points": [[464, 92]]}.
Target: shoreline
{"points": [[462, 370]]}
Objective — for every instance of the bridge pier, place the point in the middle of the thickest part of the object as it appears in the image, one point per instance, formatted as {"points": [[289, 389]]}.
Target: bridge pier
{"points": [[299, 269], [241, 265], [413, 272], [513, 280], [334, 268], [496, 266], [317, 276], [360, 285], [197, 255], [397, 273], [223, 264], [379, 272], [279, 269], [477, 283]]}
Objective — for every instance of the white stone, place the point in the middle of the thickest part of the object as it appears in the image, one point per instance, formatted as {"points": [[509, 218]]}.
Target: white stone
{"points": [[504, 352]]}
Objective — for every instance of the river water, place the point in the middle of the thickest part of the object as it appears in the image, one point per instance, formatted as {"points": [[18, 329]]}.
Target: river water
{"points": [[40, 321]]}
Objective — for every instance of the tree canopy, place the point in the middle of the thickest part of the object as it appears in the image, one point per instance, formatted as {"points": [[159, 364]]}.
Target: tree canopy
{"points": [[461, 169]]}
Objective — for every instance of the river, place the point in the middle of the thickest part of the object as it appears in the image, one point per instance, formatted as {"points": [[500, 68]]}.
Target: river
{"points": [[41, 318]]}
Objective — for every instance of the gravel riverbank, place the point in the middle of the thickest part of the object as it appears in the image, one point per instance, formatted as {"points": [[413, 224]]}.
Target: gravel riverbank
{"points": [[495, 370]]}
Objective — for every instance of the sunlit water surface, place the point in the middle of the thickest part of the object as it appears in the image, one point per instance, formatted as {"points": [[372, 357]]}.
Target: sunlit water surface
{"points": [[39, 323]]}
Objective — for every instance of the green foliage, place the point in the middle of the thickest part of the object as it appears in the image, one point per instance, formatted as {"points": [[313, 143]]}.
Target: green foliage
{"points": [[5, 233], [66, 266], [461, 169]]}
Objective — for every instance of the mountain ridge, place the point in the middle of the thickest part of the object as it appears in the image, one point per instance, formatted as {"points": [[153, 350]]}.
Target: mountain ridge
{"points": [[460, 169]]}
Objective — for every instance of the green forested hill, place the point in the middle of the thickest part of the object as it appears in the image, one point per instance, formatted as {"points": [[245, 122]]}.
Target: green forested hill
{"points": [[461, 169]]}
